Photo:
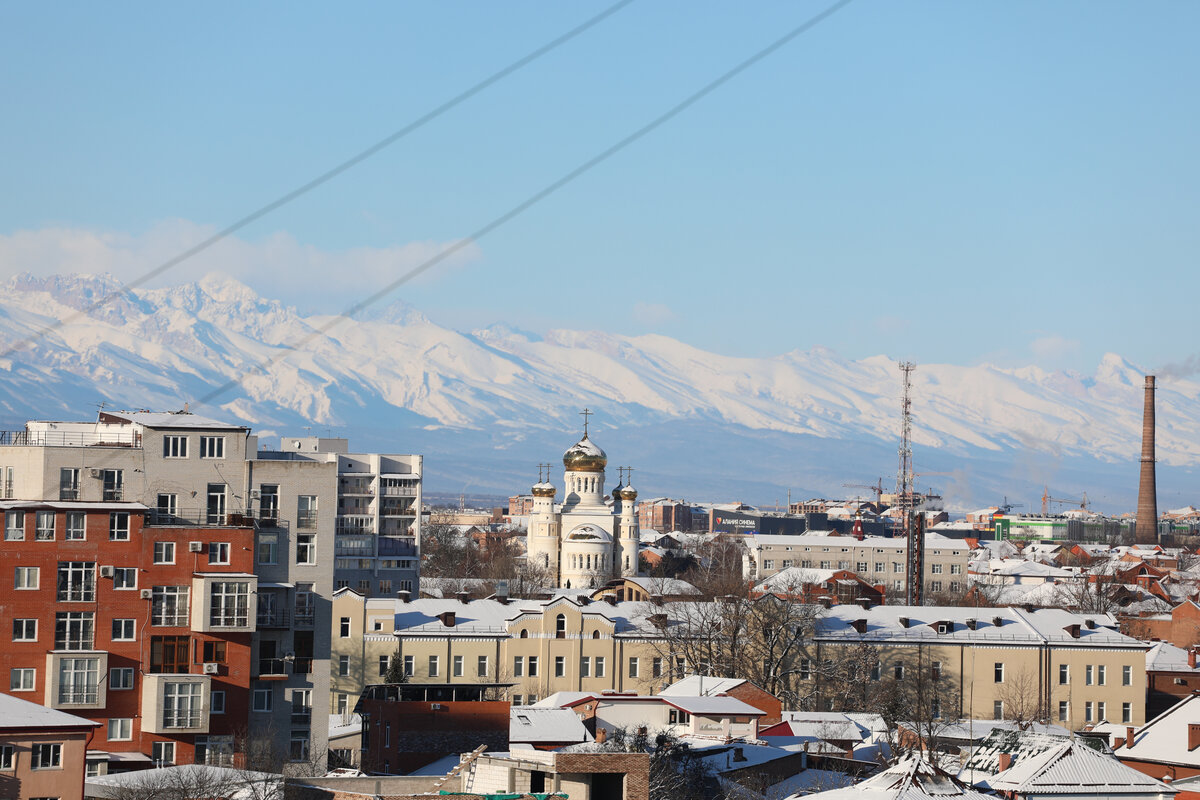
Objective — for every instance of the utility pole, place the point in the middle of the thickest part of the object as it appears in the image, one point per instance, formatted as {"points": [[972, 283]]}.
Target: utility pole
{"points": [[914, 529]]}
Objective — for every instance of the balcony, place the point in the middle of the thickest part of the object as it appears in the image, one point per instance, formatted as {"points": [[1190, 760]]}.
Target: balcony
{"points": [[399, 491], [69, 439], [272, 668], [360, 546], [397, 547], [196, 518], [175, 703], [305, 615], [273, 618], [306, 520], [221, 602], [354, 525], [76, 680]]}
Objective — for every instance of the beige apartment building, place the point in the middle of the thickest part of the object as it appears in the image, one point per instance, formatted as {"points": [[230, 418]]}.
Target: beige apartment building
{"points": [[875, 559], [529, 648], [998, 663]]}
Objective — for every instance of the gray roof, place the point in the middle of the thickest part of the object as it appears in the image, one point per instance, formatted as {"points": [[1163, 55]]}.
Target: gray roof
{"points": [[912, 778], [16, 713], [155, 419], [1073, 768]]}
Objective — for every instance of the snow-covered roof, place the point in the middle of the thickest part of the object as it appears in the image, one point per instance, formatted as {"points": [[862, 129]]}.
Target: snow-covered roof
{"points": [[1166, 657], [540, 725], [697, 685], [181, 419], [344, 726], [18, 713], [664, 586], [696, 705], [200, 780], [823, 539], [560, 699], [1164, 739], [911, 778], [1074, 768], [824, 725]]}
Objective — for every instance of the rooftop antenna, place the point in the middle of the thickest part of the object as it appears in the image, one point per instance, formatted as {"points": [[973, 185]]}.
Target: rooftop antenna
{"points": [[585, 414], [914, 533]]}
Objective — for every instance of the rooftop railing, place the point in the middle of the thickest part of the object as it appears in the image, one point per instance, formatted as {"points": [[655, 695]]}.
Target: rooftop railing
{"points": [[68, 439]]}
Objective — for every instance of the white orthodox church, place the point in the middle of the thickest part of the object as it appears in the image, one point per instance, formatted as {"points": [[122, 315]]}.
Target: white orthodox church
{"points": [[584, 542]]}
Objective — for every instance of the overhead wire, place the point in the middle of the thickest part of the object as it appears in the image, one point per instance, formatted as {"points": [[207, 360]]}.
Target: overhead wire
{"points": [[323, 178], [262, 366]]}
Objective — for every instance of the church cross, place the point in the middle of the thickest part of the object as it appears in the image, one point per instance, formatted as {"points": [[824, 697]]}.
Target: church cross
{"points": [[585, 414]]}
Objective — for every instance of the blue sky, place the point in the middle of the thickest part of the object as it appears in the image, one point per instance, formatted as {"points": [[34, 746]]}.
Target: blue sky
{"points": [[1014, 182]]}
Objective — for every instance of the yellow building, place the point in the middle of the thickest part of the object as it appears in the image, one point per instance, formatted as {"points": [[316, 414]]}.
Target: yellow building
{"points": [[997, 663]]}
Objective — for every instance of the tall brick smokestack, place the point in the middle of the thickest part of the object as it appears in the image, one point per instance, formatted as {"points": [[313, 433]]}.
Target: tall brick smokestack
{"points": [[1146, 530]]}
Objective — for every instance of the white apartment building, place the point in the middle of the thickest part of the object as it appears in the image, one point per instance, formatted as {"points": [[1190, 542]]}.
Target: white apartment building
{"points": [[876, 559]]}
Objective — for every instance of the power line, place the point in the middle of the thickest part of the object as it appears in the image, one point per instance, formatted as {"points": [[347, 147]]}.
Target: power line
{"points": [[326, 176], [536, 197]]}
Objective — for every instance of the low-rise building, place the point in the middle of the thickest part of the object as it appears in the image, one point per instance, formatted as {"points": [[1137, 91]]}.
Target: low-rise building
{"points": [[717, 716], [1168, 745], [42, 750]]}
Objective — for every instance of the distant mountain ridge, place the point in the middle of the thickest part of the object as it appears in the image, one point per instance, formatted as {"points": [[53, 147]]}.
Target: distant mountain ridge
{"points": [[489, 399]]}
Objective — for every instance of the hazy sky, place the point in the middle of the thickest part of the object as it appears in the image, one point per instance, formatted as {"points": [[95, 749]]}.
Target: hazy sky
{"points": [[1013, 182]]}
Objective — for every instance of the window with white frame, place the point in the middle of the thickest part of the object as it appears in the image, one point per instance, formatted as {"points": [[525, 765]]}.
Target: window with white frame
{"points": [[268, 548], [343, 666], [118, 526], [998, 709], [1126, 712], [123, 630], [125, 577], [167, 508], [78, 681], [410, 667], [175, 446], [114, 485], [8, 757], [22, 679], [1101, 674], [935, 569], [164, 552], [169, 606], [212, 446], [306, 548], [47, 756], [181, 705], [1089, 714], [230, 604], [518, 666], [456, 667], [481, 666], [218, 552], [162, 754], [1127, 675], [120, 729], [633, 667], [433, 666], [216, 751], [68, 483], [599, 666], [73, 630], [306, 511], [1088, 672], [1063, 710], [76, 526], [14, 526], [956, 569], [120, 678], [43, 530], [1064, 674], [77, 581], [25, 630], [585, 667], [26, 578]]}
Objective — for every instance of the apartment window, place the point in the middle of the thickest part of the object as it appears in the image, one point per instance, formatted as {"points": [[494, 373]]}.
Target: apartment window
{"points": [[14, 526], [385, 588], [343, 666], [434, 667], [1063, 711], [8, 483], [306, 548], [77, 681], [164, 552], [956, 569], [364, 585], [998, 672], [457, 667], [22, 680], [533, 666], [120, 678], [343, 704], [897, 567], [167, 508], [218, 552], [162, 753], [68, 483], [1088, 712], [1126, 712], [585, 667], [268, 503], [216, 504], [935, 671], [301, 706], [262, 700], [26, 578], [213, 652], [344, 627], [1101, 674], [169, 606], [678, 717], [44, 526], [410, 668], [516, 699], [114, 485], [1101, 711], [73, 630], [656, 667], [118, 526], [169, 654], [1064, 674], [935, 569], [230, 606], [175, 447], [998, 709], [633, 667], [769, 563], [76, 530], [876, 673], [123, 630], [212, 446], [7, 757], [1087, 674], [518, 667], [298, 745], [268, 548], [935, 586], [120, 729], [1127, 675], [860, 566], [47, 756], [125, 577], [306, 511], [25, 630], [481, 666]]}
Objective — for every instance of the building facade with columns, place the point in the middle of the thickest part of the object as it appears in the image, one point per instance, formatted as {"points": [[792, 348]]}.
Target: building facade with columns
{"points": [[584, 542]]}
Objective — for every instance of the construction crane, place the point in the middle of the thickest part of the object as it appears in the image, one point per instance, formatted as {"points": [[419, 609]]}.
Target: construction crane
{"points": [[1068, 501], [1007, 506], [877, 488]]}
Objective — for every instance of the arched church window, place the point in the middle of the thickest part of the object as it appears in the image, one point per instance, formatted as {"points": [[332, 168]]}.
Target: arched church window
{"points": [[589, 561], [560, 627], [524, 633], [595, 634]]}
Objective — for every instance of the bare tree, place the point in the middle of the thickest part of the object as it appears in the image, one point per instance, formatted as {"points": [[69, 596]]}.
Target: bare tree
{"points": [[675, 771], [1022, 702]]}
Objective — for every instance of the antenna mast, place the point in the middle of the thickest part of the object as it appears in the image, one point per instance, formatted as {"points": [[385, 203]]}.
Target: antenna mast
{"points": [[914, 530]]}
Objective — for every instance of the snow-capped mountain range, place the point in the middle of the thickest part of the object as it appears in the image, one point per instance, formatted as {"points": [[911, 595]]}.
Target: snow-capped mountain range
{"points": [[488, 405]]}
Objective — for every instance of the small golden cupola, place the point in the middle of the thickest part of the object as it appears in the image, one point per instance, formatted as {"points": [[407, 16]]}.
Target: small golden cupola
{"points": [[585, 456]]}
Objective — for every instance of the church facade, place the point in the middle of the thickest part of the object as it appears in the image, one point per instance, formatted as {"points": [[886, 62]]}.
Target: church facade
{"points": [[584, 542]]}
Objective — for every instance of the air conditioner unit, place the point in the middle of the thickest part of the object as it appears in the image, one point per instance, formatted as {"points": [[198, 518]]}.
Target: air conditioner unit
{"points": [[254, 493], [97, 473], [106, 572], [195, 547], [147, 594], [438, 707], [211, 669]]}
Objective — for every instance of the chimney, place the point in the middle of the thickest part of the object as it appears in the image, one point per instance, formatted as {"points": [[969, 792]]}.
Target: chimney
{"points": [[1005, 761], [903, 622], [1193, 736], [502, 599], [404, 596], [826, 602], [447, 618], [583, 600], [1128, 736], [462, 597], [997, 621], [859, 625], [1145, 530], [864, 602], [971, 623], [1091, 623], [658, 620], [1072, 631], [1191, 657]]}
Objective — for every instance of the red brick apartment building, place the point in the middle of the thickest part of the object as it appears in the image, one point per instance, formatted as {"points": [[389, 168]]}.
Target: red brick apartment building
{"points": [[144, 628]]}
